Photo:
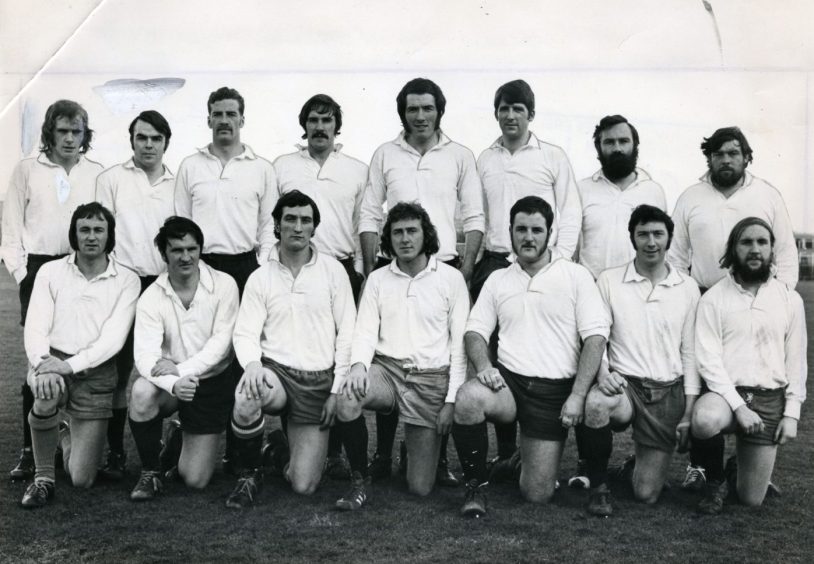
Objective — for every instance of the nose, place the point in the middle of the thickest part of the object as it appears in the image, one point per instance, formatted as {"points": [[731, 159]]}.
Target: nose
{"points": [[148, 143]]}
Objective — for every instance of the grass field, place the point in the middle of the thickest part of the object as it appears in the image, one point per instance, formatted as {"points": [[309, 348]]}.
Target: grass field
{"points": [[102, 525]]}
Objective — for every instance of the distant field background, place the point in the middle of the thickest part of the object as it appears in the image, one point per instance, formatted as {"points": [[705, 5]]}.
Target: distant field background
{"points": [[102, 525]]}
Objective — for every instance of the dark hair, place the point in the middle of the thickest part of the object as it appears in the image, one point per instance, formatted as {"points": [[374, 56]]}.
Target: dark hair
{"points": [[93, 210], [292, 199], [721, 136], [155, 119], [410, 210], [225, 93], [729, 258], [606, 123], [516, 92], [176, 227], [421, 86], [645, 214], [530, 205], [322, 104], [67, 109]]}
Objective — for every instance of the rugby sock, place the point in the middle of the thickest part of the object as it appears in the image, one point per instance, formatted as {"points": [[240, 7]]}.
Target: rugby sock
{"points": [[354, 437], [334, 442], [582, 447], [472, 444], [28, 404], [695, 459], [386, 425], [506, 435], [597, 446], [115, 430], [147, 436], [442, 458], [249, 443], [711, 456], [44, 437]]}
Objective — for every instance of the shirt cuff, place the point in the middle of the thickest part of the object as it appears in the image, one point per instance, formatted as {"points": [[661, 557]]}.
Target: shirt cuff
{"points": [[77, 364], [165, 382], [692, 390], [792, 409], [20, 274], [734, 399]]}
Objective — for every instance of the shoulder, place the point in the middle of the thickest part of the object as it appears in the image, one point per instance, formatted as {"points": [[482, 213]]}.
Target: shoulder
{"points": [[551, 150], [93, 164], [110, 173], [612, 276], [352, 162]]}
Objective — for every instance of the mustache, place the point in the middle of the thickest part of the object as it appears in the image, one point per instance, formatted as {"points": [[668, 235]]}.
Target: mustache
{"points": [[319, 135]]}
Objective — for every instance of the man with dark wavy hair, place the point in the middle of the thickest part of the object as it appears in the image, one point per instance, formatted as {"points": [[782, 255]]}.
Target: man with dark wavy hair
{"points": [[407, 354], [43, 192]]}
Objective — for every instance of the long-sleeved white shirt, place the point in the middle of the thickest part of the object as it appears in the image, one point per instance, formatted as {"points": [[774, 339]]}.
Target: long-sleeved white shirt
{"points": [[605, 241], [140, 209], [86, 319], [704, 218], [652, 327], [232, 204], [337, 187], [756, 341], [439, 180], [542, 319], [419, 319], [40, 201], [197, 339], [304, 322], [536, 169]]}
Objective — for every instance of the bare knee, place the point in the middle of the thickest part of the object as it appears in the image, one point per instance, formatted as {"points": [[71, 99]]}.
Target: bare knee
{"points": [[597, 409], [245, 410], [143, 400], [646, 493], [750, 497], [196, 480], [537, 494], [419, 488], [348, 409], [706, 423], [83, 478], [303, 486], [468, 403]]}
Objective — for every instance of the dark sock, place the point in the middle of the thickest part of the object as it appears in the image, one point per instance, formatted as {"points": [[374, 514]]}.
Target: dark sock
{"points": [[472, 444], [335, 442], [354, 437], [248, 443], [710, 456], [695, 457], [386, 425], [231, 442], [506, 435], [284, 424], [115, 430], [147, 436], [582, 448], [444, 444], [597, 447], [28, 403]]}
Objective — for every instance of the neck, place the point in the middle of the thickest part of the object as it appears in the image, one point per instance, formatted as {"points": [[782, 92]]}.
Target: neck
{"points": [[295, 259], [90, 267], [413, 267], [513, 145], [181, 282], [67, 164], [320, 156], [752, 287], [226, 150], [532, 268], [623, 183], [655, 272], [424, 145], [153, 172], [727, 191]]}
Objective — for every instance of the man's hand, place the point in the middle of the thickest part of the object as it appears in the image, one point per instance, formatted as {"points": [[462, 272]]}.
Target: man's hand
{"points": [[683, 434], [749, 421], [610, 383], [184, 388], [357, 383], [47, 386], [443, 423], [491, 378], [256, 381], [328, 416], [53, 365], [164, 367], [572, 411], [786, 430]]}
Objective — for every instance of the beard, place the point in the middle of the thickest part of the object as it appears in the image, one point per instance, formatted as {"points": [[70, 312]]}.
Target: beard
{"points": [[752, 275], [541, 252], [725, 181], [617, 166]]}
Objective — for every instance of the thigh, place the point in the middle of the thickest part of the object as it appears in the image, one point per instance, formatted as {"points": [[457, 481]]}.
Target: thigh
{"points": [[755, 465], [650, 472], [87, 443], [381, 393], [711, 413], [309, 447], [475, 402], [541, 463], [423, 448], [273, 400], [199, 454]]}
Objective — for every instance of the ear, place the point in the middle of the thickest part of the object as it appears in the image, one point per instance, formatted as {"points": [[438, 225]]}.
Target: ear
{"points": [[242, 121]]}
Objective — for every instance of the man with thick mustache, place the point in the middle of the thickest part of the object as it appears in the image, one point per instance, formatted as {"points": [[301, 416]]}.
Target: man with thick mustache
{"points": [[43, 192], [705, 215], [750, 349]]}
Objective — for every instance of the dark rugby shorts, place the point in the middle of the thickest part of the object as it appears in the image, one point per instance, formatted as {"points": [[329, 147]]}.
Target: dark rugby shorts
{"points": [[769, 405], [209, 410], [539, 404]]}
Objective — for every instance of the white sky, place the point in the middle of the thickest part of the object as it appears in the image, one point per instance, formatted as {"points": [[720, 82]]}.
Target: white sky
{"points": [[657, 62]]}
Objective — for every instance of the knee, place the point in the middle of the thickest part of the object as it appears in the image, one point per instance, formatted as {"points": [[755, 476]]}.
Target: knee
{"points": [[245, 410], [468, 407], [597, 409], [83, 478], [646, 493], [45, 408], [750, 497], [706, 423], [303, 486], [143, 399], [537, 494], [196, 481], [348, 409], [419, 488]]}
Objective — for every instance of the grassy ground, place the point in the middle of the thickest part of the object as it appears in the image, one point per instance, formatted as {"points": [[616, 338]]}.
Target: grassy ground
{"points": [[102, 525]]}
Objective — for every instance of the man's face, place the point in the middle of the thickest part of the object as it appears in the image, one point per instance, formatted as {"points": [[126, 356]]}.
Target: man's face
{"points": [[68, 137], [407, 238], [225, 121], [726, 165], [182, 256], [320, 130], [148, 145], [617, 152], [753, 254], [529, 237], [296, 227], [421, 116], [91, 237], [513, 120], [651, 241]]}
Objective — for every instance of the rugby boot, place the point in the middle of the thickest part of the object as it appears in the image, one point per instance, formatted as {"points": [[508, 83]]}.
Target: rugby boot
{"points": [[248, 486], [474, 499], [148, 486], [357, 495], [37, 494], [599, 501]]}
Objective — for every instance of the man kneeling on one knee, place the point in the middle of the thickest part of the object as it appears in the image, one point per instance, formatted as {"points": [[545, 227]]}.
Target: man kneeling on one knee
{"points": [[182, 350], [408, 352]]}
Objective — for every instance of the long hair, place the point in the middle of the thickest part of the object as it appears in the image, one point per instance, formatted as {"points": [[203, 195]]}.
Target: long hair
{"points": [[730, 256], [721, 136], [410, 210], [70, 110], [421, 86], [93, 210]]}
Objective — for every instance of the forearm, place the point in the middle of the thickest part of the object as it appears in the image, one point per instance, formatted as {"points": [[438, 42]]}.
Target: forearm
{"points": [[589, 360], [368, 240], [477, 351]]}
